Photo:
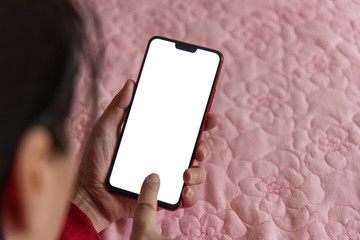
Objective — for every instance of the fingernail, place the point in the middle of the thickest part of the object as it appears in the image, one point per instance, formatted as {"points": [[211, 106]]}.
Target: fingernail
{"points": [[154, 178], [205, 151], [193, 175], [190, 192], [132, 87]]}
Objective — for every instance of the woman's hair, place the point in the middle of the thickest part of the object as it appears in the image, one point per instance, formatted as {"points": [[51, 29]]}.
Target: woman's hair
{"points": [[40, 45]]}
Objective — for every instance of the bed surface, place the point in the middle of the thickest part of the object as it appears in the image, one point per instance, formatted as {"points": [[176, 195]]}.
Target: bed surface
{"points": [[285, 161]]}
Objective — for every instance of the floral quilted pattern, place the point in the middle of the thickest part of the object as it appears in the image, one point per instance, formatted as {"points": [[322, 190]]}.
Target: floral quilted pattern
{"points": [[285, 161], [276, 188], [329, 149]]}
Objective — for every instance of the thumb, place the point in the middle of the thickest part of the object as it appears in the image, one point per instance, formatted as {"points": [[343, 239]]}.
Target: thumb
{"points": [[114, 114], [146, 207]]}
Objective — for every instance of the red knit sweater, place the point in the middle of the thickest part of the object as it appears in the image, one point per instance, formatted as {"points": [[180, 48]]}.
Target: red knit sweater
{"points": [[78, 226]]}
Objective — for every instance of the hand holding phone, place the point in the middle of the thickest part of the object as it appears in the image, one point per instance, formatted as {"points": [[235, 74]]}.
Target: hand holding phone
{"points": [[175, 87], [91, 196]]}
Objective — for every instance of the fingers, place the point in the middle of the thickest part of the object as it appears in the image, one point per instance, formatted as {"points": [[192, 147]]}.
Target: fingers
{"points": [[146, 207], [113, 116], [212, 121], [202, 151], [197, 175], [189, 197], [194, 176]]}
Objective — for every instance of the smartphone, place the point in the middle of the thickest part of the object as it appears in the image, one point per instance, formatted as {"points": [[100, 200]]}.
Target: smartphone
{"points": [[165, 119]]}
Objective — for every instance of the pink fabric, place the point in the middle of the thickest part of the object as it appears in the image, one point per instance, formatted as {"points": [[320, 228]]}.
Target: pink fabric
{"points": [[285, 161]]}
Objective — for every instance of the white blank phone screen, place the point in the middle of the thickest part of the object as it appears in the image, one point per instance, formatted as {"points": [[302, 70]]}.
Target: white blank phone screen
{"points": [[165, 118]]}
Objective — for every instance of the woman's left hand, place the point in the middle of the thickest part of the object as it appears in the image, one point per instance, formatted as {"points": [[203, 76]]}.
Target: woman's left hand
{"points": [[91, 196]]}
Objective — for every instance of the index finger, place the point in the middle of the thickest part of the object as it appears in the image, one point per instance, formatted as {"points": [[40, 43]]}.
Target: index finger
{"points": [[146, 206]]}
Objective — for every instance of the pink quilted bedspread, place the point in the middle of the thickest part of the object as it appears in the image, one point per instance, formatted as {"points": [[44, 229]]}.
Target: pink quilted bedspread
{"points": [[285, 161]]}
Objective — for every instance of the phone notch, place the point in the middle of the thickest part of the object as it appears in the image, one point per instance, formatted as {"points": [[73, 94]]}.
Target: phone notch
{"points": [[185, 47]]}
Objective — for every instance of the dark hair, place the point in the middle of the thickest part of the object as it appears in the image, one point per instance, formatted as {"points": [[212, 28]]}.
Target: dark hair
{"points": [[41, 42]]}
